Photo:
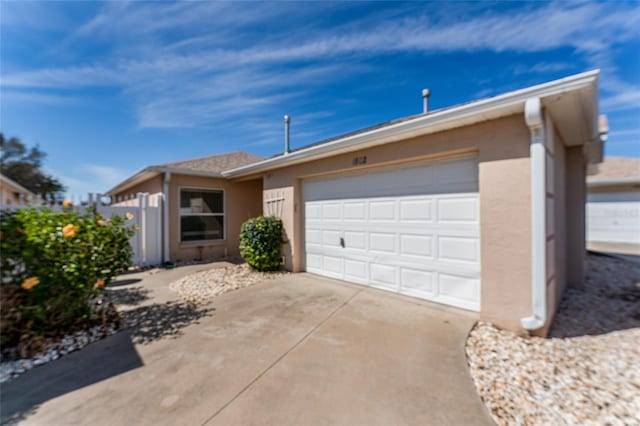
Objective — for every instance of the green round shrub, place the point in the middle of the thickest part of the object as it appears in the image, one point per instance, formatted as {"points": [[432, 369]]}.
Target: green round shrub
{"points": [[261, 241]]}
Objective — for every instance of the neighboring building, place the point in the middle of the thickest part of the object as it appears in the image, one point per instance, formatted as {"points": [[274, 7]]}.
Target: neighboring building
{"points": [[12, 193], [479, 206], [613, 207]]}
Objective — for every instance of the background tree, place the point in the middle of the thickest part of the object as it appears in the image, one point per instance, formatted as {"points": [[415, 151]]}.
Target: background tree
{"points": [[24, 165]]}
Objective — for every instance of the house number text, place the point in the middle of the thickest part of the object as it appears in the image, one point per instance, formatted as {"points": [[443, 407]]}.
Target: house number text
{"points": [[358, 161]]}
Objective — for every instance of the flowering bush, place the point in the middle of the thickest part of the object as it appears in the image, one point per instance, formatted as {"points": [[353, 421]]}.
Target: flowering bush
{"points": [[260, 242], [53, 264]]}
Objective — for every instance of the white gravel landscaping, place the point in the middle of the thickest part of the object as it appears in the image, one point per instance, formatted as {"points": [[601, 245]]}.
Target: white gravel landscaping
{"points": [[204, 285], [586, 373], [68, 344]]}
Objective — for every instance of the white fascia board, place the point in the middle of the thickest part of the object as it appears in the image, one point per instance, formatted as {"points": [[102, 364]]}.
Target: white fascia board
{"points": [[144, 174], [473, 112], [189, 172], [152, 171]]}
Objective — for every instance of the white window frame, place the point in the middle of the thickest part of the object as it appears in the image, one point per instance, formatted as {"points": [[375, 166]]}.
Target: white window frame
{"points": [[223, 214]]}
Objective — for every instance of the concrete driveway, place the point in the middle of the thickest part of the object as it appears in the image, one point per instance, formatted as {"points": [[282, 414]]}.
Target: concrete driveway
{"points": [[300, 350]]}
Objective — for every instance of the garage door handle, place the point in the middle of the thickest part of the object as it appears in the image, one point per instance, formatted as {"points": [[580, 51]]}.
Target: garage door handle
{"points": [[342, 242]]}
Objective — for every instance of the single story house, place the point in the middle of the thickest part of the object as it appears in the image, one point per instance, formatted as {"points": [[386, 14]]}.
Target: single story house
{"points": [[613, 206], [12, 193], [479, 206]]}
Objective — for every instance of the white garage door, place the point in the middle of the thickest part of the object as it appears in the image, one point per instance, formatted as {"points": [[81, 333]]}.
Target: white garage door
{"points": [[411, 230], [614, 217]]}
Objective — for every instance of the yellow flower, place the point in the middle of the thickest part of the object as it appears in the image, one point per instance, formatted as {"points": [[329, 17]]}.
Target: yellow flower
{"points": [[67, 203], [129, 216], [137, 228], [30, 283], [101, 222], [69, 231]]}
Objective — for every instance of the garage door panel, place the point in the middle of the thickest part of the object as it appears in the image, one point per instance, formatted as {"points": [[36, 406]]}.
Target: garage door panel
{"points": [[382, 243], [313, 236], [382, 210], [458, 290], [355, 270], [355, 240], [313, 211], [314, 262], [412, 280], [416, 210], [331, 211], [331, 237], [354, 211], [401, 231], [462, 209], [459, 249], [383, 275], [416, 245], [332, 265]]}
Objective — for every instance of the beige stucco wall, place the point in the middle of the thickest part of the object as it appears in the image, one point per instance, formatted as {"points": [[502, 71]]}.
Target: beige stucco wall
{"points": [[502, 149], [243, 200], [575, 196], [152, 186]]}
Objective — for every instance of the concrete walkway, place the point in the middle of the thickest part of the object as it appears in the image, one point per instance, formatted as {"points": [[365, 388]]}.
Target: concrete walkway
{"points": [[300, 350]]}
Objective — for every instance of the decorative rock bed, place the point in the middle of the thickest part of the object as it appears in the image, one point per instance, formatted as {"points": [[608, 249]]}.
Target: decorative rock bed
{"points": [[70, 343], [204, 285], [587, 372]]}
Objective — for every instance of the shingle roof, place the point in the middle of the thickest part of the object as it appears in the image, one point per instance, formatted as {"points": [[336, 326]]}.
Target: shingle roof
{"points": [[215, 163], [617, 168]]}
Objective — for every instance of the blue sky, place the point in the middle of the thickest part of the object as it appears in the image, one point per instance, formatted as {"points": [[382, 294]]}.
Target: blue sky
{"points": [[109, 88]]}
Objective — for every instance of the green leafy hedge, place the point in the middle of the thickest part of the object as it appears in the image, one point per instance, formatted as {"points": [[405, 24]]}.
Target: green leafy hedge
{"points": [[53, 264], [260, 242]]}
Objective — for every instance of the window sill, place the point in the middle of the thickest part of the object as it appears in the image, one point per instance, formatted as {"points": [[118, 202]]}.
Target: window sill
{"points": [[202, 243]]}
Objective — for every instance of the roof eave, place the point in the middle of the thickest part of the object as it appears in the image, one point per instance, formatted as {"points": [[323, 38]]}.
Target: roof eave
{"points": [[143, 175], [15, 184], [613, 182], [471, 113], [153, 171]]}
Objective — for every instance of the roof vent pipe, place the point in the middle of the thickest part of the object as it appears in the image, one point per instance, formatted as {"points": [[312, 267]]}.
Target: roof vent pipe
{"points": [[287, 121], [425, 100]]}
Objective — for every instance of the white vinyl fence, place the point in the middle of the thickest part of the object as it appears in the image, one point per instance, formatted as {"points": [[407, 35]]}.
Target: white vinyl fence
{"points": [[147, 216]]}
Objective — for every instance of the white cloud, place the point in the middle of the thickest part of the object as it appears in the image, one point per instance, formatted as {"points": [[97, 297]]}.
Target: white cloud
{"points": [[228, 72], [90, 178], [542, 67]]}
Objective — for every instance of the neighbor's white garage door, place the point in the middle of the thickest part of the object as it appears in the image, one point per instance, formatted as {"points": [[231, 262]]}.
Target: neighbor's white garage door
{"points": [[411, 230], [614, 217]]}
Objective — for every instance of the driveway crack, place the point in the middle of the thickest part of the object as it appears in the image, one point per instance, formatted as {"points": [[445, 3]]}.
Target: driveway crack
{"points": [[281, 357]]}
